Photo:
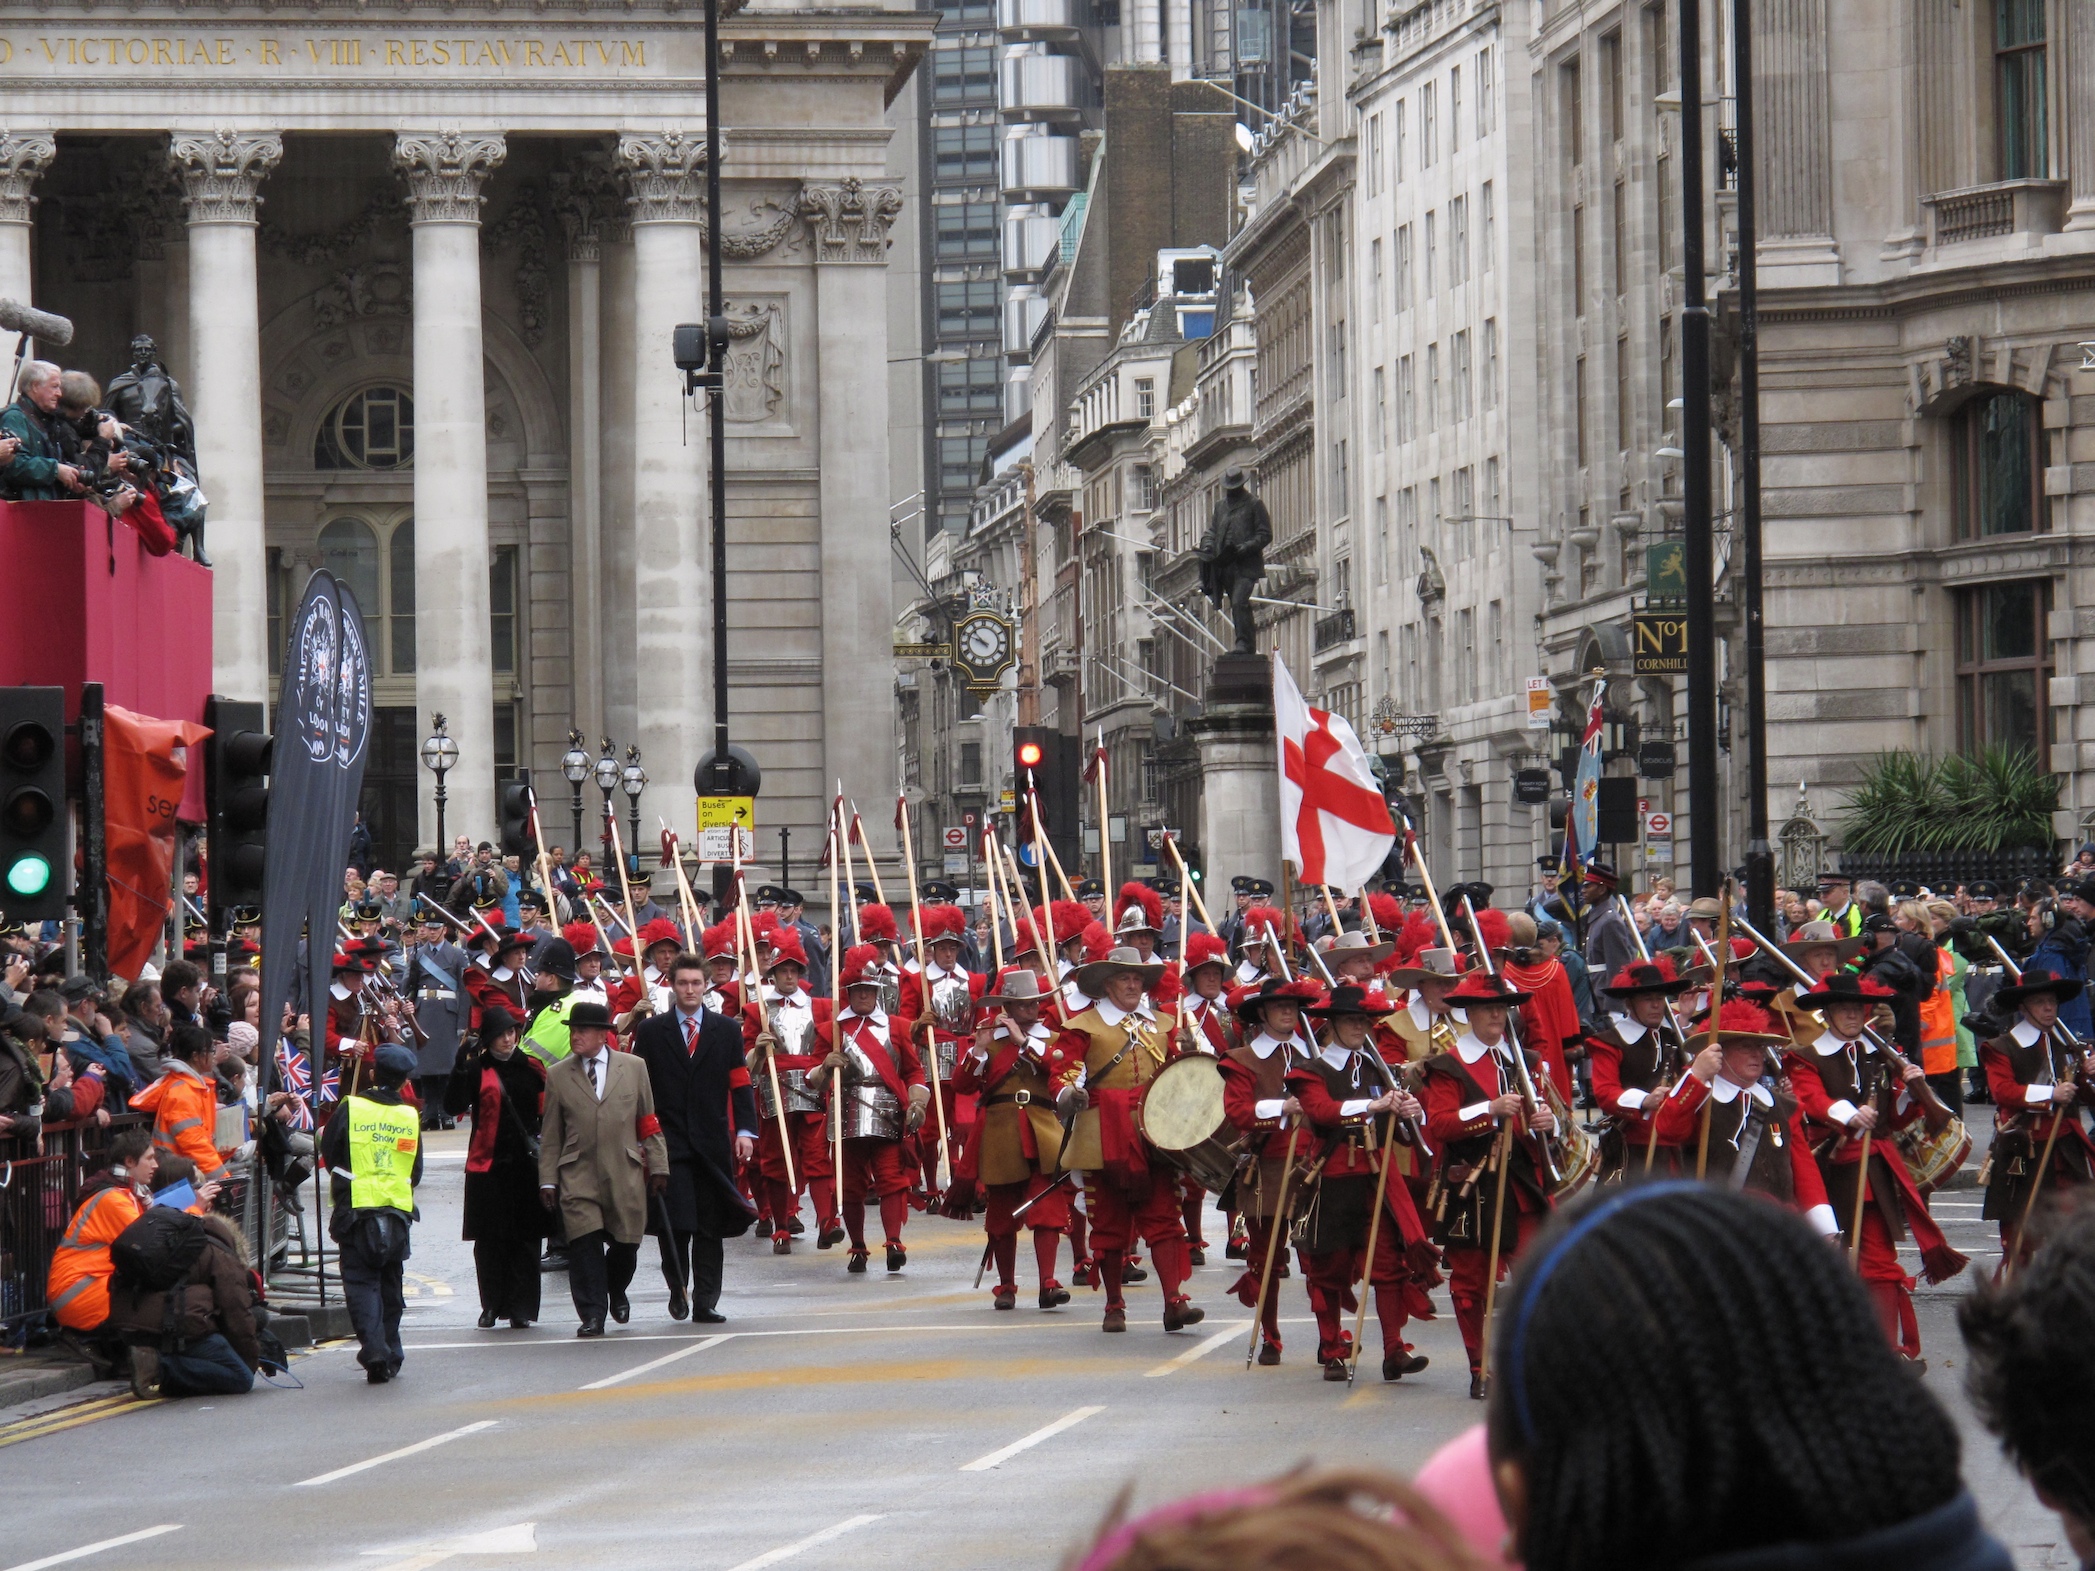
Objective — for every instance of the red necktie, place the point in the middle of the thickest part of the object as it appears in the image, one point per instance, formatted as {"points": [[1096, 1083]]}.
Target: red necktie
{"points": [[691, 1036]]}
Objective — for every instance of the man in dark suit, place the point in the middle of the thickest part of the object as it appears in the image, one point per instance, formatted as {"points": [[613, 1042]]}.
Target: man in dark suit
{"points": [[694, 1059]]}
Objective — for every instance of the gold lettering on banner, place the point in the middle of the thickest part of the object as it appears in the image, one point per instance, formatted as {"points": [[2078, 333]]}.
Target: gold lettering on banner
{"points": [[326, 54]]}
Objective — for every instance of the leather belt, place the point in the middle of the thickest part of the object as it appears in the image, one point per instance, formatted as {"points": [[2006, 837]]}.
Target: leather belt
{"points": [[1017, 1098]]}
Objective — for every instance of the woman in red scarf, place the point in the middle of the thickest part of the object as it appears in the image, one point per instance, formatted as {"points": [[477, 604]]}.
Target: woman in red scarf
{"points": [[504, 1092]]}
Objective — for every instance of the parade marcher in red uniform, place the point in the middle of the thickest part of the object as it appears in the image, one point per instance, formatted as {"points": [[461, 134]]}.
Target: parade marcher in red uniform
{"points": [[1477, 1118], [1258, 1104], [945, 1029], [1255, 958], [803, 1122], [884, 1100], [590, 956], [1348, 1095], [496, 980], [2038, 1080], [1756, 1134], [1015, 1144], [647, 991], [1101, 1060], [721, 949], [1205, 1023], [1845, 1093], [1635, 1055]]}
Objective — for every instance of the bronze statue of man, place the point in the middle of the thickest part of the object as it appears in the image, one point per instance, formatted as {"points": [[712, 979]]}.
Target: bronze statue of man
{"points": [[149, 401], [1232, 554]]}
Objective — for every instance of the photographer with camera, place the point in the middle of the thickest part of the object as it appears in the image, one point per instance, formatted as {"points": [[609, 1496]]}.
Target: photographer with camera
{"points": [[114, 464], [36, 469]]}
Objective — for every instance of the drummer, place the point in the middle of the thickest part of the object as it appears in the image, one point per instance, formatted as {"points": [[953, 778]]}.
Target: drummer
{"points": [[1348, 1098], [1258, 1103], [1205, 1027], [1014, 1148], [791, 1013]]}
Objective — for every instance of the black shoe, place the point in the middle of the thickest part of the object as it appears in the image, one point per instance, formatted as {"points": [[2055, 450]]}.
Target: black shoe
{"points": [[621, 1308], [796, 1227], [764, 1229], [857, 1263], [1268, 1355], [708, 1317], [1198, 1257], [1053, 1297], [1133, 1274], [1334, 1369], [145, 1373], [1232, 1250], [1398, 1364], [897, 1257], [1178, 1314], [553, 1260], [377, 1374], [830, 1238], [679, 1305], [486, 1321], [519, 1323], [1479, 1383], [593, 1326]]}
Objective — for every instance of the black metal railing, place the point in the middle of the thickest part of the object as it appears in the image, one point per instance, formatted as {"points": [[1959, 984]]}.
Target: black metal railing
{"points": [[39, 1190]]}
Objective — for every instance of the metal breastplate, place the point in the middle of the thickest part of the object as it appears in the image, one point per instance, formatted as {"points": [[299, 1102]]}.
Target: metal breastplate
{"points": [[793, 1028], [890, 993], [871, 1110]]}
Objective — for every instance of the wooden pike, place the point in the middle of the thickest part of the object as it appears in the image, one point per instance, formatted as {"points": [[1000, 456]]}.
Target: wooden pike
{"points": [[1273, 1238], [916, 921], [1503, 1154], [1719, 960], [836, 993], [746, 935], [625, 885]]}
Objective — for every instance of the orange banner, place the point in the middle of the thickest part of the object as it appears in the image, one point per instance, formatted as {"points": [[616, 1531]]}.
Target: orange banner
{"points": [[145, 765]]}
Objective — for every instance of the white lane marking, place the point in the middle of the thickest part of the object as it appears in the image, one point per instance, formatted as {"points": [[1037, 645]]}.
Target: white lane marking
{"points": [[519, 1539], [983, 1464], [656, 1363], [96, 1548], [393, 1456], [1199, 1350], [772, 1557]]}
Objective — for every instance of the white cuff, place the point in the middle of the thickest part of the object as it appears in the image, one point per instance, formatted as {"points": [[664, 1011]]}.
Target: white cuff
{"points": [[1268, 1108], [1822, 1218], [1353, 1107], [2034, 1094], [1842, 1112], [1633, 1099], [1473, 1112]]}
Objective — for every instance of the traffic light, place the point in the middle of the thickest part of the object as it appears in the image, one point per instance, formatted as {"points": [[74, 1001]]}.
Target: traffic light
{"points": [[513, 808], [32, 803], [1615, 818], [1046, 760], [236, 804]]}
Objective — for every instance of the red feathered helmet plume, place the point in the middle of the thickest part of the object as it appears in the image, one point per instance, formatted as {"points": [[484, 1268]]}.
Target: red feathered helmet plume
{"points": [[1388, 911], [1023, 939], [1142, 895], [1419, 932], [660, 931], [765, 924], [1256, 920], [1496, 930], [787, 950], [1098, 942], [875, 923], [1742, 1023], [1205, 949], [1071, 918], [718, 941], [581, 938], [943, 921], [861, 965]]}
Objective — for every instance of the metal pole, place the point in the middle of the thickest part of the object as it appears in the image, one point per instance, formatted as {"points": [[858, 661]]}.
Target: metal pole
{"points": [[1704, 804], [577, 806], [716, 334], [785, 857], [443, 851], [1760, 858]]}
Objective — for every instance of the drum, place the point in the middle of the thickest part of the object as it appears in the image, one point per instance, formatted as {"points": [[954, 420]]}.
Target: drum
{"points": [[1578, 1153], [1181, 1115], [1932, 1159]]}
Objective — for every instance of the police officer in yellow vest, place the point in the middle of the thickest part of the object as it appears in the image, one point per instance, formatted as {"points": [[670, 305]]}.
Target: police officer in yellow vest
{"points": [[553, 997], [373, 1151]]}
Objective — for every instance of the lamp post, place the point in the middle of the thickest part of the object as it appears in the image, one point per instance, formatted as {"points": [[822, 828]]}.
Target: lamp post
{"points": [[439, 755], [607, 782], [574, 764], [1705, 803], [633, 780]]}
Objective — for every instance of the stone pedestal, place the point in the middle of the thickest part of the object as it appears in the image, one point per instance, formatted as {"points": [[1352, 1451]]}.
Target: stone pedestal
{"points": [[1240, 772]]}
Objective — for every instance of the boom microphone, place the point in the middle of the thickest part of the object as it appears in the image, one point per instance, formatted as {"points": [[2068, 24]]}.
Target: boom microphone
{"points": [[57, 331]]}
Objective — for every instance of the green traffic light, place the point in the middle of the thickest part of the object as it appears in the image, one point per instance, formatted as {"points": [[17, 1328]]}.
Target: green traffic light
{"points": [[28, 876]]}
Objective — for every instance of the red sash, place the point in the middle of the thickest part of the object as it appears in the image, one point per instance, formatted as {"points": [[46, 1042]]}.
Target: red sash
{"points": [[882, 1059]]}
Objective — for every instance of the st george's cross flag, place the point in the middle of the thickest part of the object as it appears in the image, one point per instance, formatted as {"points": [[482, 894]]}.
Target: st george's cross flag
{"points": [[1334, 825]]}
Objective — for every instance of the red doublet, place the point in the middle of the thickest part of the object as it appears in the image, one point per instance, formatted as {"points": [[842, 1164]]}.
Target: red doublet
{"points": [[1605, 1055], [1679, 1123], [1204, 1026]]}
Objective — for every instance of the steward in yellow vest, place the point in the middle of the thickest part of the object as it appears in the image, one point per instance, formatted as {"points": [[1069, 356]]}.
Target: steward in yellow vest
{"points": [[373, 1151]]}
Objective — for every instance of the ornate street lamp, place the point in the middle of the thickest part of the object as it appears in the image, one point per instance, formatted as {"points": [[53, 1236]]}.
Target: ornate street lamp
{"points": [[633, 780], [440, 756], [574, 764], [607, 782]]}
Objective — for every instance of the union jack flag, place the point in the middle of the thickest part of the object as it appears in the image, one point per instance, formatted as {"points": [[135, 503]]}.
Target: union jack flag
{"points": [[296, 1075]]}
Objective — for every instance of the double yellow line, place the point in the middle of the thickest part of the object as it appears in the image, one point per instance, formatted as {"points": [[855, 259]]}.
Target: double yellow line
{"points": [[71, 1417]]}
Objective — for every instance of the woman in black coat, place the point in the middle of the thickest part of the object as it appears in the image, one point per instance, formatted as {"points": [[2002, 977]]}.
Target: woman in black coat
{"points": [[503, 1091]]}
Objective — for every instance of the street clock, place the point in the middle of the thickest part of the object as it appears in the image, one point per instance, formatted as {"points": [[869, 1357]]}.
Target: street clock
{"points": [[983, 648]]}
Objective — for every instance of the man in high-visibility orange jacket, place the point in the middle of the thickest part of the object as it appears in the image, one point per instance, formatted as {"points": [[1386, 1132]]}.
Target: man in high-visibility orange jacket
{"points": [[184, 1102], [81, 1265]]}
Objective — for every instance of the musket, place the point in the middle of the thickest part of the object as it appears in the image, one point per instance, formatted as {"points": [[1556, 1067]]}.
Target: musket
{"points": [[1677, 1048], [1529, 1101]]}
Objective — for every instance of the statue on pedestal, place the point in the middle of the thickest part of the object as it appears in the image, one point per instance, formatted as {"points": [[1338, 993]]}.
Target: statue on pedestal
{"points": [[1232, 554], [149, 401]]}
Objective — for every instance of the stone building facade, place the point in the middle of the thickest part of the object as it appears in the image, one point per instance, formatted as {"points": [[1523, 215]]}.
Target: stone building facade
{"points": [[419, 277]]}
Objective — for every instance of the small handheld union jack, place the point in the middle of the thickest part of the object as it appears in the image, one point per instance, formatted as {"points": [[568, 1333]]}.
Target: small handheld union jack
{"points": [[298, 1080]]}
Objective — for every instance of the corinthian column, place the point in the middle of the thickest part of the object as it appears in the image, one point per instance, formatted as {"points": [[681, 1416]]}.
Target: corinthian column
{"points": [[2078, 99], [222, 174], [577, 200], [454, 673], [24, 155], [664, 178], [849, 221]]}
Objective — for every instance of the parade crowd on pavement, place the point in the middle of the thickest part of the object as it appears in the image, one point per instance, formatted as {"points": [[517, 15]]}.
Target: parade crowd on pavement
{"points": [[1396, 1100]]}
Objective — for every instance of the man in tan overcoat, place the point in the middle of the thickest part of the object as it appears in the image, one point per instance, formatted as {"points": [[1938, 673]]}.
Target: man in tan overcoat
{"points": [[601, 1157]]}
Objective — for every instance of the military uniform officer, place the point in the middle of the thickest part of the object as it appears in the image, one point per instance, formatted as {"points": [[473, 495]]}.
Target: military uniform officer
{"points": [[1247, 892], [435, 984]]}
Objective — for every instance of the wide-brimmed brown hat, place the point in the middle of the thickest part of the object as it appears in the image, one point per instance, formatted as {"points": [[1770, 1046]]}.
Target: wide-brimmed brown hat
{"points": [[1091, 979], [1353, 945], [1439, 965], [1020, 985], [1823, 935]]}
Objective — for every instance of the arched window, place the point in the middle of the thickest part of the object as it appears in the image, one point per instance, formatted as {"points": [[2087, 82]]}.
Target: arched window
{"points": [[1997, 469], [373, 428], [378, 565]]}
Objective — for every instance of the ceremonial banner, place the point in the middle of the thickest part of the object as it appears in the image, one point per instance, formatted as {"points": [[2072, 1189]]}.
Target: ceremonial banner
{"points": [[145, 769], [1334, 825], [1582, 825], [316, 772]]}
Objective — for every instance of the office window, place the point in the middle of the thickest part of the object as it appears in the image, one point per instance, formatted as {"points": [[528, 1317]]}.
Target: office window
{"points": [[1458, 241], [1372, 174], [1466, 656], [400, 599], [964, 154], [968, 309], [1454, 108], [1487, 89], [1488, 372], [1996, 467], [1619, 258], [1432, 250], [1611, 83], [1375, 279], [1579, 394], [1496, 670], [1428, 126], [1667, 378], [1578, 260], [1145, 398], [1341, 478], [1145, 488], [1493, 504], [2020, 95], [1465, 487], [2004, 666], [373, 428], [965, 229], [1381, 385], [1459, 375], [1382, 557], [1487, 227], [1399, 116], [1574, 111], [1403, 296], [970, 387], [1432, 387], [502, 623], [959, 76], [1622, 393], [1407, 400], [971, 764]]}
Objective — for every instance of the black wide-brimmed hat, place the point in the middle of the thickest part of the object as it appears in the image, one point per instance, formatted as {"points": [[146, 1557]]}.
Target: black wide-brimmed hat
{"points": [[1346, 999], [1480, 987], [1845, 987], [1647, 976], [2037, 981]]}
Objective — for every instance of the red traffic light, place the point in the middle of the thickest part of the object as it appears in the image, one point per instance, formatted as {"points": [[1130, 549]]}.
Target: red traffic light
{"points": [[1029, 755]]}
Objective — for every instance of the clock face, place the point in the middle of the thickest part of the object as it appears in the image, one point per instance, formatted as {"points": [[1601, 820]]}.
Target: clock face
{"points": [[983, 645], [985, 641]]}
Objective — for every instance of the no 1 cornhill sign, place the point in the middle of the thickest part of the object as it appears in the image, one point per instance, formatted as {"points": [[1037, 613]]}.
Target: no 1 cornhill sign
{"points": [[1659, 642]]}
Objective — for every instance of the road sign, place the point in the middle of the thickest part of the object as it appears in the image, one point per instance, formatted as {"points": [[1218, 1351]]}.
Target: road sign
{"points": [[1007, 801], [955, 838], [956, 864], [719, 817], [1658, 826]]}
